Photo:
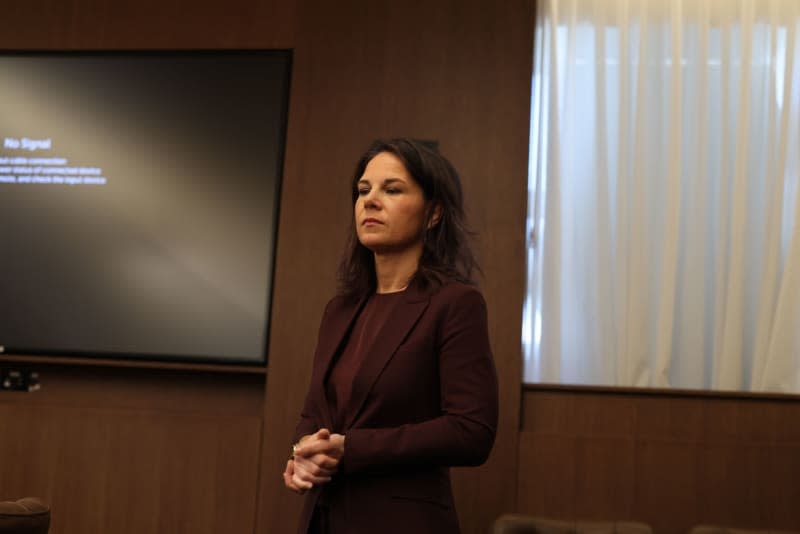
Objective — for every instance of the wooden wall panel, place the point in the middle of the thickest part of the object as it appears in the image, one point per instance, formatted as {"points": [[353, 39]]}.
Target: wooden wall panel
{"points": [[670, 459], [99, 24], [131, 451]]}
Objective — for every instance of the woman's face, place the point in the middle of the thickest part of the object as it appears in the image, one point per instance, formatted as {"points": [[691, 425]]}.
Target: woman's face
{"points": [[390, 208]]}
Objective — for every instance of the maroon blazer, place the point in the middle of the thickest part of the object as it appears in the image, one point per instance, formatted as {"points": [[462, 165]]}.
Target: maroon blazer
{"points": [[424, 399]]}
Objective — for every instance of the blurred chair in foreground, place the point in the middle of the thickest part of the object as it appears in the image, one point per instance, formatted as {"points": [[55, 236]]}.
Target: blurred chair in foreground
{"points": [[715, 529], [25, 516], [525, 524]]}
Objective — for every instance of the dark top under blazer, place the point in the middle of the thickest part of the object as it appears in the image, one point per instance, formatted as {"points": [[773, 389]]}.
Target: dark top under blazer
{"points": [[424, 399]]}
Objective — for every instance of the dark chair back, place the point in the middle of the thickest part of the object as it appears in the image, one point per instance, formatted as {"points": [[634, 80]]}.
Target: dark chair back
{"points": [[715, 529], [525, 524], [25, 516]]}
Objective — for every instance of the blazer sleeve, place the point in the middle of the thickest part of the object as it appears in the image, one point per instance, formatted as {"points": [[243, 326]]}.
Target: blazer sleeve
{"points": [[464, 432]]}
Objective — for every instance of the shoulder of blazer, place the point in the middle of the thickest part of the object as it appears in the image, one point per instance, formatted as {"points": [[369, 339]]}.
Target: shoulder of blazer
{"points": [[454, 293]]}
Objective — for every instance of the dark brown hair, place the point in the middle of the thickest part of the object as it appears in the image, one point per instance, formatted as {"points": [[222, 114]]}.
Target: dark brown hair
{"points": [[446, 251]]}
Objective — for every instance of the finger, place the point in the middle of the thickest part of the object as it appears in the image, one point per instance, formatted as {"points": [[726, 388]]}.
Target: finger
{"points": [[317, 472], [288, 481], [337, 444], [333, 446], [322, 435], [310, 476], [325, 462], [310, 472], [292, 486], [319, 465], [301, 484], [312, 447]]}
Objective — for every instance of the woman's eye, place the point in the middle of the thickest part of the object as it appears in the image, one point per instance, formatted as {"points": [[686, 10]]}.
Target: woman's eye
{"points": [[392, 191], [362, 192]]}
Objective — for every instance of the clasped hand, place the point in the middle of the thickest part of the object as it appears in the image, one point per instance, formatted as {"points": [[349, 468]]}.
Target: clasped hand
{"points": [[315, 460]]}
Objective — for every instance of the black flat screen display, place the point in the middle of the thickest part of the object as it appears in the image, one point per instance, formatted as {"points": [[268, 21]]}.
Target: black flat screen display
{"points": [[138, 202]]}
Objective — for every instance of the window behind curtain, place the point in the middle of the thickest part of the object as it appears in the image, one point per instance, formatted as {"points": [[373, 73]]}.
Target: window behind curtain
{"points": [[664, 247]]}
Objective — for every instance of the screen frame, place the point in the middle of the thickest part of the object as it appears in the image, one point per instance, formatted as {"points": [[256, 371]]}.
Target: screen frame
{"points": [[284, 56]]}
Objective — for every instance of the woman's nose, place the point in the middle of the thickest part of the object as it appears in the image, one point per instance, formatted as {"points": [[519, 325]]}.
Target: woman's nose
{"points": [[371, 201]]}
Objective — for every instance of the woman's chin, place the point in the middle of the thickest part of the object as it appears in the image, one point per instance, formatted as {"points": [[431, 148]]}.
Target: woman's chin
{"points": [[379, 245], [376, 248]]}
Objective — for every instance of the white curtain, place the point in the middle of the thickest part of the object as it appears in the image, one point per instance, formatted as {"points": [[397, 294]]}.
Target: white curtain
{"points": [[664, 233]]}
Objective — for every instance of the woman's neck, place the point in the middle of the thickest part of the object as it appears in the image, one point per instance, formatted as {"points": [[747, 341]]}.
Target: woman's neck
{"points": [[393, 272]]}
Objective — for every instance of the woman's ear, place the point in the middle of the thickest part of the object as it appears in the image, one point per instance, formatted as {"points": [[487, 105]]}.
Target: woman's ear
{"points": [[435, 216]]}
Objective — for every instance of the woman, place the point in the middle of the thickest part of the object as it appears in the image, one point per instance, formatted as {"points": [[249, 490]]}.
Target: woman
{"points": [[403, 384]]}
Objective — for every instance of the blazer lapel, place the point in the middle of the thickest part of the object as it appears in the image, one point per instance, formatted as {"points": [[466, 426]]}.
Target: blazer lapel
{"points": [[336, 335], [389, 338]]}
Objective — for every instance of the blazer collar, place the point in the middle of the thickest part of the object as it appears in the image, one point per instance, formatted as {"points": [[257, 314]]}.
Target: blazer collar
{"points": [[378, 355], [341, 323]]}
